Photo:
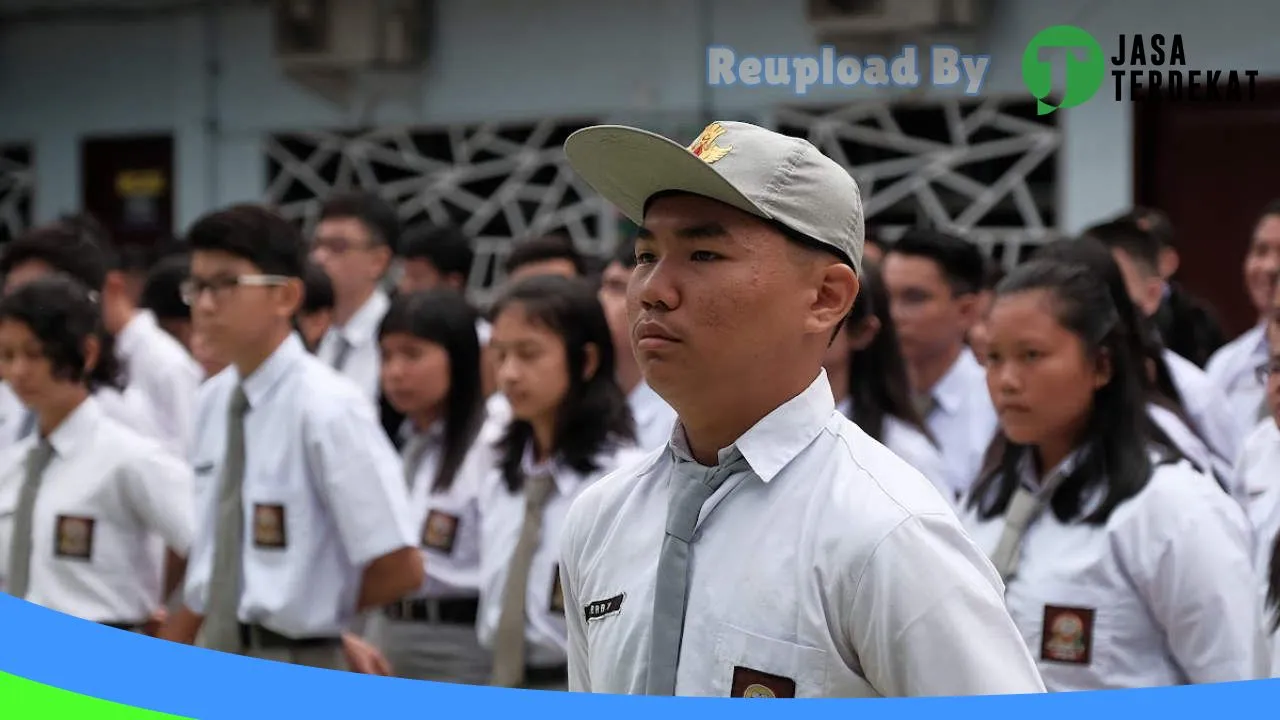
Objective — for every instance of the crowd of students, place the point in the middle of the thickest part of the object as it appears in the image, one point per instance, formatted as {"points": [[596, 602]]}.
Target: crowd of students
{"points": [[317, 450]]}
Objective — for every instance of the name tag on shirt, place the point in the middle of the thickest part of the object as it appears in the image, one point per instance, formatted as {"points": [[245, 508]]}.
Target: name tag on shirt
{"points": [[439, 531], [74, 537], [748, 683], [268, 527], [603, 608], [1067, 635], [557, 593]]}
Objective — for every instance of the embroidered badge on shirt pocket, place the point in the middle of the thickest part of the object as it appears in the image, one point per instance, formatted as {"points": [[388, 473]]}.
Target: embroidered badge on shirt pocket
{"points": [[74, 537], [1067, 635], [756, 666], [439, 531], [748, 683], [269, 527]]}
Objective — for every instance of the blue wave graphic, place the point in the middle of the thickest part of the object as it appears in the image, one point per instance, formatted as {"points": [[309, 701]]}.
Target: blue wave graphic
{"points": [[100, 662]]}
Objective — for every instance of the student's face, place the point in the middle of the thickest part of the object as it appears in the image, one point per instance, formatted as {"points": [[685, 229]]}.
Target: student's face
{"points": [[553, 266], [418, 275], [345, 248], [25, 272], [415, 373], [613, 299], [1040, 377], [720, 298], [930, 318], [203, 352], [1262, 264], [237, 320], [314, 325], [25, 367], [532, 365], [1145, 289]]}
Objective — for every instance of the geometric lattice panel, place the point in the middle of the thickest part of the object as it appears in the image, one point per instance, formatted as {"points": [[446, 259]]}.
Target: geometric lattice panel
{"points": [[985, 168], [17, 187], [499, 181]]}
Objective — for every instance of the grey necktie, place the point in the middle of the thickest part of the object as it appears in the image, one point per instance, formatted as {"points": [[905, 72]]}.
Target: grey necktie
{"points": [[20, 548], [1264, 412], [925, 405], [691, 487], [28, 425], [1024, 506], [508, 645], [344, 350], [221, 621], [415, 451]]}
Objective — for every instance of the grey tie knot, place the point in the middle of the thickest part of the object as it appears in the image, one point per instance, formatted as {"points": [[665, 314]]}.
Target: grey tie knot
{"points": [[239, 402], [40, 456], [537, 488]]}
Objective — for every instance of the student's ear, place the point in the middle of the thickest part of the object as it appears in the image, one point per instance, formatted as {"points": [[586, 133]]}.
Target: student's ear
{"points": [[92, 351], [1169, 262], [1102, 369], [969, 306], [837, 290], [590, 361], [291, 295]]}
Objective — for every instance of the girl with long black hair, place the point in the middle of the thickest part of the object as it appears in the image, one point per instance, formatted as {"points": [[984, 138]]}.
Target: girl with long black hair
{"points": [[869, 381], [1124, 566]]}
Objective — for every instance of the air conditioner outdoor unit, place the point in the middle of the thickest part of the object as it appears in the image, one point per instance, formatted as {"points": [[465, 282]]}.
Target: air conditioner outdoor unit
{"points": [[349, 35], [851, 19]]}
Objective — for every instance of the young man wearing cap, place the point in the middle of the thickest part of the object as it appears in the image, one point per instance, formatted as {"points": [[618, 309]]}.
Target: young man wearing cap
{"points": [[771, 549]]}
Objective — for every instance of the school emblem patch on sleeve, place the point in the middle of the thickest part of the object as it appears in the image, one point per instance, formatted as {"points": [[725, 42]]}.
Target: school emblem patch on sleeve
{"points": [[268, 527], [1067, 635], [439, 531], [74, 537], [748, 683]]}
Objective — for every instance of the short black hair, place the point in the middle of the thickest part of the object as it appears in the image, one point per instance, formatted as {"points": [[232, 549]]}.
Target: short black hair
{"points": [[318, 290], [1153, 222], [73, 245], [255, 233], [1126, 236], [446, 247], [162, 293], [962, 263], [555, 246], [62, 313], [370, 209]]}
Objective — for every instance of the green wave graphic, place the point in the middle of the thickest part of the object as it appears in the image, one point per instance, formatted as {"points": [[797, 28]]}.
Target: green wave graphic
{"points": [[22, 699]]}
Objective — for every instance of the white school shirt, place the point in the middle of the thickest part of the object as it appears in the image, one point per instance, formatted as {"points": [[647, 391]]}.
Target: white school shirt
{"points": [[1160, 594], [1258, 474], [1233, 370], [164, 376], [109, 503], [364, 361], [1187, 442], [447, 522], [12, 415], [911, 445], [501, 521], [653, 416], [1206, 407], [317, 459], [963, 421], [832, 564]]}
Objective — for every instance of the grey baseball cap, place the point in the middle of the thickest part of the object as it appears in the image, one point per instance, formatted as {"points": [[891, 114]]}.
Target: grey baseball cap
{"points": [[759, 171]]}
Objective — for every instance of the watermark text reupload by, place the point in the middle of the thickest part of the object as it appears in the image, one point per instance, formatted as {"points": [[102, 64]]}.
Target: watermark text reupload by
{"points": [[946, 67]]}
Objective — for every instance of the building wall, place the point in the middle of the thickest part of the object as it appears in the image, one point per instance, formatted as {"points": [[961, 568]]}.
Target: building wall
{"points": [[638, 62]]}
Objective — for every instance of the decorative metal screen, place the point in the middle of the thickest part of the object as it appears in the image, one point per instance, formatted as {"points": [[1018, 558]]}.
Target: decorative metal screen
{"points": [[500, 182], [986, 168], [17, 185]]}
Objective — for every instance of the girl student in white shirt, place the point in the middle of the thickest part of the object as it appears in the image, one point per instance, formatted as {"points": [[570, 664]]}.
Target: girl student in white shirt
{"points": [[430, 358], [1169, 423], [869, 381], [1123, 566], [95, 518], [570, 425]]}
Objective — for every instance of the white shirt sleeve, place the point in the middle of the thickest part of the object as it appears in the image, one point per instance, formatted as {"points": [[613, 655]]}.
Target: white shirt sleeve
{"points": [[575, 621], [1190, 562], [361, 482], [928, 618], [160, 489]]}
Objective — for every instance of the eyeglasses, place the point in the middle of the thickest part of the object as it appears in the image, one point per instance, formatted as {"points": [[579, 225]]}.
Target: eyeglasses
{"points": [[339, 245], [1265, 370], [192, 288]]}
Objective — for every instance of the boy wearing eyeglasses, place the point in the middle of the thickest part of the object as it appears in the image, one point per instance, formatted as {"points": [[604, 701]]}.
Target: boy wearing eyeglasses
{"points": [[301, 507]]}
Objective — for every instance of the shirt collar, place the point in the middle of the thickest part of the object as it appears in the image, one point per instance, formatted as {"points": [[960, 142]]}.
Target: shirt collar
{"points": [[565, 477], [773, 442], [363, 325], [133, 334], [1027, 468], [76, 428], [951, 390], [261, 381]]}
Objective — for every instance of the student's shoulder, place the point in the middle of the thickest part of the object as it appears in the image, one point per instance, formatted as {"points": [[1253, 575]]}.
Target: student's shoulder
{"points": [[323, 391], [1175, 497], [625, 468], [1224, 357]]}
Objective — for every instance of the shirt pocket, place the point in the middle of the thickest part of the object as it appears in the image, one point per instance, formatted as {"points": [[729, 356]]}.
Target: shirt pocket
{"points": [[752, 665]]}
